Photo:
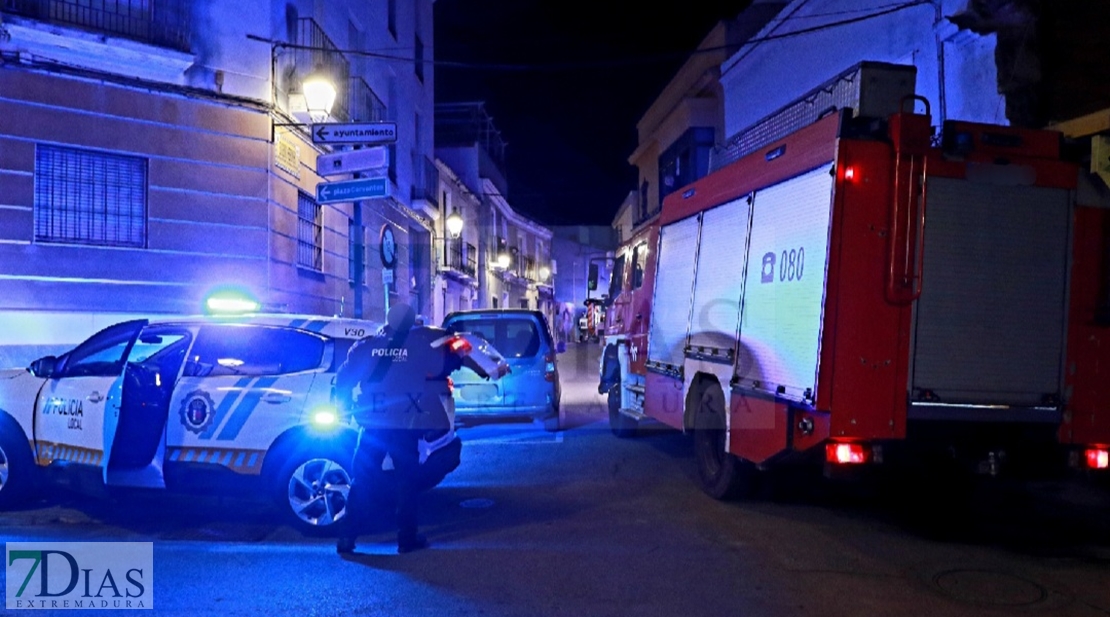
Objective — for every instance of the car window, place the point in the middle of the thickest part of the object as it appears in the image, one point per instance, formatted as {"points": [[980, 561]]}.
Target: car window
{"points": [[514, 338], [638, 255], [102, 354], [253, 350], [155, 346], [616, 278]]}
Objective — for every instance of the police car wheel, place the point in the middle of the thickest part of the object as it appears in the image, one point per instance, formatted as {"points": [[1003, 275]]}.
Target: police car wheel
{"points": [[313, 491], [16, 465]]}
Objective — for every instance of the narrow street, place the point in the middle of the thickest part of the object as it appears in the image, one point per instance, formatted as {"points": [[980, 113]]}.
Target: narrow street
{"points": [[582, 523]]}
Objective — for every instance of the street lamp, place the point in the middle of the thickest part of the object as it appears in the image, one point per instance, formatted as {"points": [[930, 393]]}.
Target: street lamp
{"points": [[504, 260], [454, 224], [319, 96], [544, 273]]}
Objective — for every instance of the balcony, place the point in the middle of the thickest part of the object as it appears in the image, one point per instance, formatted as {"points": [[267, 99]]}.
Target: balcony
{"points": [[363, 104], [315, 53], [465, 264], [164, 23]]}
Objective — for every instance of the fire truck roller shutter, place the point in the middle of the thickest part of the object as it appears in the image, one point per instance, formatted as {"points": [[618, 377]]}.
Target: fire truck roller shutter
{"points": [[990, 324], [674, 283], [720, 275], [784, 292]]}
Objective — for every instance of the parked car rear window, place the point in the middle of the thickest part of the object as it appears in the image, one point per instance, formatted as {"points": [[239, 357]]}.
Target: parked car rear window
{"points": [[514, 338]]}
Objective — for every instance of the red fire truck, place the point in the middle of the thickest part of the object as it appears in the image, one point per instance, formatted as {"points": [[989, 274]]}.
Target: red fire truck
{"points": [[864, 294]]}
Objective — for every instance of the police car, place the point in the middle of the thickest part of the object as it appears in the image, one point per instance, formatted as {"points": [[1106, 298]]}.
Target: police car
{"points": [[193, 403]]}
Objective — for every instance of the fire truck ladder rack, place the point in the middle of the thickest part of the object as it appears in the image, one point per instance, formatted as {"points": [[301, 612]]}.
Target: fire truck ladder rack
{"points": [[907, 219]]}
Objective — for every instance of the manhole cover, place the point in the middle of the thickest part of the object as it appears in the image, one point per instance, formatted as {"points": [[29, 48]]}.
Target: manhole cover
{"points": [[477, 503], [989, 587]]}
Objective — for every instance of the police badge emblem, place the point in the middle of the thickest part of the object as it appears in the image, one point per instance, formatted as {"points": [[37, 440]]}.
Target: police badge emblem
{"points": [[197, 411]]}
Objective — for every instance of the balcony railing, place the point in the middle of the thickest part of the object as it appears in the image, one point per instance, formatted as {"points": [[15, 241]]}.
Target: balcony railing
{"points": [[425, 179], [165, 23], [458, 261], [364, 105], [315, 52]]}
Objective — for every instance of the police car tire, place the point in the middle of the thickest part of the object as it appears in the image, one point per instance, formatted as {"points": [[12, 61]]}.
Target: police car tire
{"points": [[15, 454], [339, 454]]}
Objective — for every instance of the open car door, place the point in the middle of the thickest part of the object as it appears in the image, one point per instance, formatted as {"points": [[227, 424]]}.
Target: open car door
{"points": [[135, 431]]}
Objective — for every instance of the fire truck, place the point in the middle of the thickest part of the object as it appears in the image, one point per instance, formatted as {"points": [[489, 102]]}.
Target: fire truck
{"points": [[868, 293]]}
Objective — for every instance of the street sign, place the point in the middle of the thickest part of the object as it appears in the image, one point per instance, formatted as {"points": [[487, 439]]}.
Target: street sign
{"points": [[367, 159], [370, 133], [351, 190]]}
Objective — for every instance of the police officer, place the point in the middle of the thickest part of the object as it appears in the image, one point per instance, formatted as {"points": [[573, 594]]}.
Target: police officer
{"points": [[393, 382]]}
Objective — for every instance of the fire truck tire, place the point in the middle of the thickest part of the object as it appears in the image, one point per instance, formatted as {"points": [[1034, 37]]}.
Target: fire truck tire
{"points": [[621, 425], [722, 475], [17, 465]]}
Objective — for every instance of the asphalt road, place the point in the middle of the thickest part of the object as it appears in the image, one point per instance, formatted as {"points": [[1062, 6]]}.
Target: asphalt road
{"points": [[582, 523]]}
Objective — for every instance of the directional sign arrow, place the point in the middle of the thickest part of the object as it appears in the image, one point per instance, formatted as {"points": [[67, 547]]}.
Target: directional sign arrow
{"points": [[351, 190], [368, 133]]}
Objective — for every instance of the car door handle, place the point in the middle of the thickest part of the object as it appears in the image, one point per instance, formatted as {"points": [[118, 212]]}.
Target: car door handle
{"points": [[276, 397], [95, 397]]}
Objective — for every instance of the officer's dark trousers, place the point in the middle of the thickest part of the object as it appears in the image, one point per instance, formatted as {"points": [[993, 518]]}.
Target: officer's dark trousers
{"points": [[402, 447]]}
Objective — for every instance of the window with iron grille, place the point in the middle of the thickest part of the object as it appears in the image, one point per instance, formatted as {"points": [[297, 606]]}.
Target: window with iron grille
{"points": [[166, 23], [310, 233], [89, 197]]}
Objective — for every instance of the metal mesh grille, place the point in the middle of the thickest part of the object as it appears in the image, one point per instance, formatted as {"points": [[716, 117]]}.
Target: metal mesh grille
{"points": [[86, 197], [310, 233], [841, 93]]}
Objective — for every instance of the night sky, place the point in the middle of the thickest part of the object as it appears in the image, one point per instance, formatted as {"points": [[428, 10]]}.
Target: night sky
{"points": [[566, 82]]}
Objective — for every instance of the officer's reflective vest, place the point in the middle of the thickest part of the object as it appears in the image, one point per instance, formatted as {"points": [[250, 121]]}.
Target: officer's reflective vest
{"points": [[399, 380]]}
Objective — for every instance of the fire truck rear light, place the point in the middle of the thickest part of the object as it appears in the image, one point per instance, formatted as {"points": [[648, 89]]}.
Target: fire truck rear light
{"points": [[846, 453], [1097, 458], [459, 345], [849, 173]]}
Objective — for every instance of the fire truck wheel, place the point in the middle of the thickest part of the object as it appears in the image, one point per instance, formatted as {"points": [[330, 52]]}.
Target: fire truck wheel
{"points": [[621, 425], [722, 475], [17, 465]]}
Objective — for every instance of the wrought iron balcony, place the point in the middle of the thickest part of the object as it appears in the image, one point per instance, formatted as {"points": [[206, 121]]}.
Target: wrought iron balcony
{"points": [[459, 262], [315, 53], [165, 23], [364, 105]]}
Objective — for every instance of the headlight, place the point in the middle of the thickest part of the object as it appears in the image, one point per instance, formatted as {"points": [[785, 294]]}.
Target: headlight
{"points": [[325, 416]]}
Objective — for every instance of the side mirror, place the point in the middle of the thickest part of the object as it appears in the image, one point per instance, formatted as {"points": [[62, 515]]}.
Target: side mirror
{"points": [[44, 367], [561, 347]]}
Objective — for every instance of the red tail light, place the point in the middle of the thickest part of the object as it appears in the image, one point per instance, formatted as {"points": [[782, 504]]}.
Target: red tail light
{"points": [[1097, 458], [846, 453], [549, 367], [459, 345]]}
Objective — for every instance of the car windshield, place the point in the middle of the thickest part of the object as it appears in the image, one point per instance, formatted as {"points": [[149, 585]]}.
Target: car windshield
{"points": [[514, 338]]}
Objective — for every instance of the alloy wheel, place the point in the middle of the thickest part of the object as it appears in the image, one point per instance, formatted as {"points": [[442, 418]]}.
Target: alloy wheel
{"points": [[318, 492]]}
